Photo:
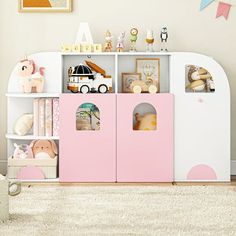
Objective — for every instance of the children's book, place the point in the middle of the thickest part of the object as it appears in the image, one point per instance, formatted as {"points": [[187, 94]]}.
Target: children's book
{"points": [[55, 116], [36, 117], [41, 117], [48, 117]]}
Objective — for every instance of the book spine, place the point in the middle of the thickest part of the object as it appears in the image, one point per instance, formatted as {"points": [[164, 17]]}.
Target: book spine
{"points": [[36, 117], [48, 117], [55, 117], [41, 117]]}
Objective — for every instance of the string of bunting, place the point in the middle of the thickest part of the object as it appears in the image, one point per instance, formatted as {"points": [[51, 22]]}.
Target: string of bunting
{"points": [[223, 8]]}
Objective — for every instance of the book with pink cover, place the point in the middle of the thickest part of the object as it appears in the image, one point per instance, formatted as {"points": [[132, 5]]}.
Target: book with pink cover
{"points": [[56, 117], [36, 116], [48, 117], [41, 117]]}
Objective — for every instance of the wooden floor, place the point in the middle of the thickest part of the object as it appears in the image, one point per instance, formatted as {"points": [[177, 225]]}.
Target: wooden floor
{"points": [[232, 183]]}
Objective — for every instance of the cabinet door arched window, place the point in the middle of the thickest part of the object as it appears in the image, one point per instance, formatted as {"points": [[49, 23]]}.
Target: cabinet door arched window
{"points": [[144, 117], [88, 117]]}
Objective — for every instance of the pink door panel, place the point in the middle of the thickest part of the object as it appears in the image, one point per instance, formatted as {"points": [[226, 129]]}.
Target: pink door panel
{"points": [[87, 156], [145, 156]]}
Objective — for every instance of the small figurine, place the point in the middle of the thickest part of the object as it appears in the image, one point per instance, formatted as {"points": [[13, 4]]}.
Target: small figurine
{"points": [[150, 41], [108, 43], [120, 44], [164, 38], [133, 39]]}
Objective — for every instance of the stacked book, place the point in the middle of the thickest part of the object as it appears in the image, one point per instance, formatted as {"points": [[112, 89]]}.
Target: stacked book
{"points": [[46, 117]]}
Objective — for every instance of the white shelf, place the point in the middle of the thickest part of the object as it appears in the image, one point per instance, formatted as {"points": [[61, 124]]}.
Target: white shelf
{"points": [[33, 95], [30, 137]]}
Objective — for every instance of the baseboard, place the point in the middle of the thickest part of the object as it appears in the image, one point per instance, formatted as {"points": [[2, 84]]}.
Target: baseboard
{"points": [[233, 167]]}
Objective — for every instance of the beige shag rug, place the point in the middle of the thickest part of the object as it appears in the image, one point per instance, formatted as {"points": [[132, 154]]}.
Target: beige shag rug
{"points": [[122, 210]]}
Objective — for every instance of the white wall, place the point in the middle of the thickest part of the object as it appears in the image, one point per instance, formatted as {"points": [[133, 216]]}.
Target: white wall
{"points": [[189, 30]]}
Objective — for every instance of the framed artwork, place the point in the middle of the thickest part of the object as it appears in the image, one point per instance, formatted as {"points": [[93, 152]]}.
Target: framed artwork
{"points": [[45, 5], [149, 69], [127, 79]]}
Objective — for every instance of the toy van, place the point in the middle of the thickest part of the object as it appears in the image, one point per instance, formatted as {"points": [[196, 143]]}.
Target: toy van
{"points": [[88, 78]]}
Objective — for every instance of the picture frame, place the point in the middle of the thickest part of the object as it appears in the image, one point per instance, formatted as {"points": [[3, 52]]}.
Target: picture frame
{"points": [[44, 6], [152, 66], [127, 79]]}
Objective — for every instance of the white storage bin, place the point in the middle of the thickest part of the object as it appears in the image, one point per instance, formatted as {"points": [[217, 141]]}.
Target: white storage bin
{"points": [[48, 167]]}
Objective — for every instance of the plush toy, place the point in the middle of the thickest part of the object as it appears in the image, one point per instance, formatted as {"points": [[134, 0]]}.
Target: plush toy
{"points": [[44, 149], [145, 122], [31, 81], [22, 151], [23, 124]]}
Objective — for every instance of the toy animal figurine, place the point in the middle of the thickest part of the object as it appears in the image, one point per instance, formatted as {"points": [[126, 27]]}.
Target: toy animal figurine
{"points": [[145, 122], [120, 44], [149, 41], [133, 39], [108, 43], [22, 151], [44, 149], [31, 81], [164, 38]]}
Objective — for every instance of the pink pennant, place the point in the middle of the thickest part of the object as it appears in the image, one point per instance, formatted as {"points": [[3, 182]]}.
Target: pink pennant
{"points": [[223, 10]]}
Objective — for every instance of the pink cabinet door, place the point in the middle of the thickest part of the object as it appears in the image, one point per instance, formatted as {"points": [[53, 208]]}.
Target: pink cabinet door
{"points": [[87, 155], [145, 156]]}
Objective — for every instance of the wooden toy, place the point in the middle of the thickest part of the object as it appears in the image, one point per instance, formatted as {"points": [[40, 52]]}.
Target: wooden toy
{"points": [[86, 47], [145, 122], [44, 149], [149, 41], [120, 42], [200, 79], [133, 39], [31, 81], [75, 48], [139, 86], [197, 85], [83, 80], [97, 47], [164, 37], [66, 48], [108, 43], [197, 73]]}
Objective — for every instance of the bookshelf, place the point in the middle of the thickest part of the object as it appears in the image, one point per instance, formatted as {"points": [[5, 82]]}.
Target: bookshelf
{"points": [[196, 115]]}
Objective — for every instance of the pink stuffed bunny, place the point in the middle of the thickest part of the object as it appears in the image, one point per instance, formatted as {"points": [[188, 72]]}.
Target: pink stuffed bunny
{"points": [[31, 81]]}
